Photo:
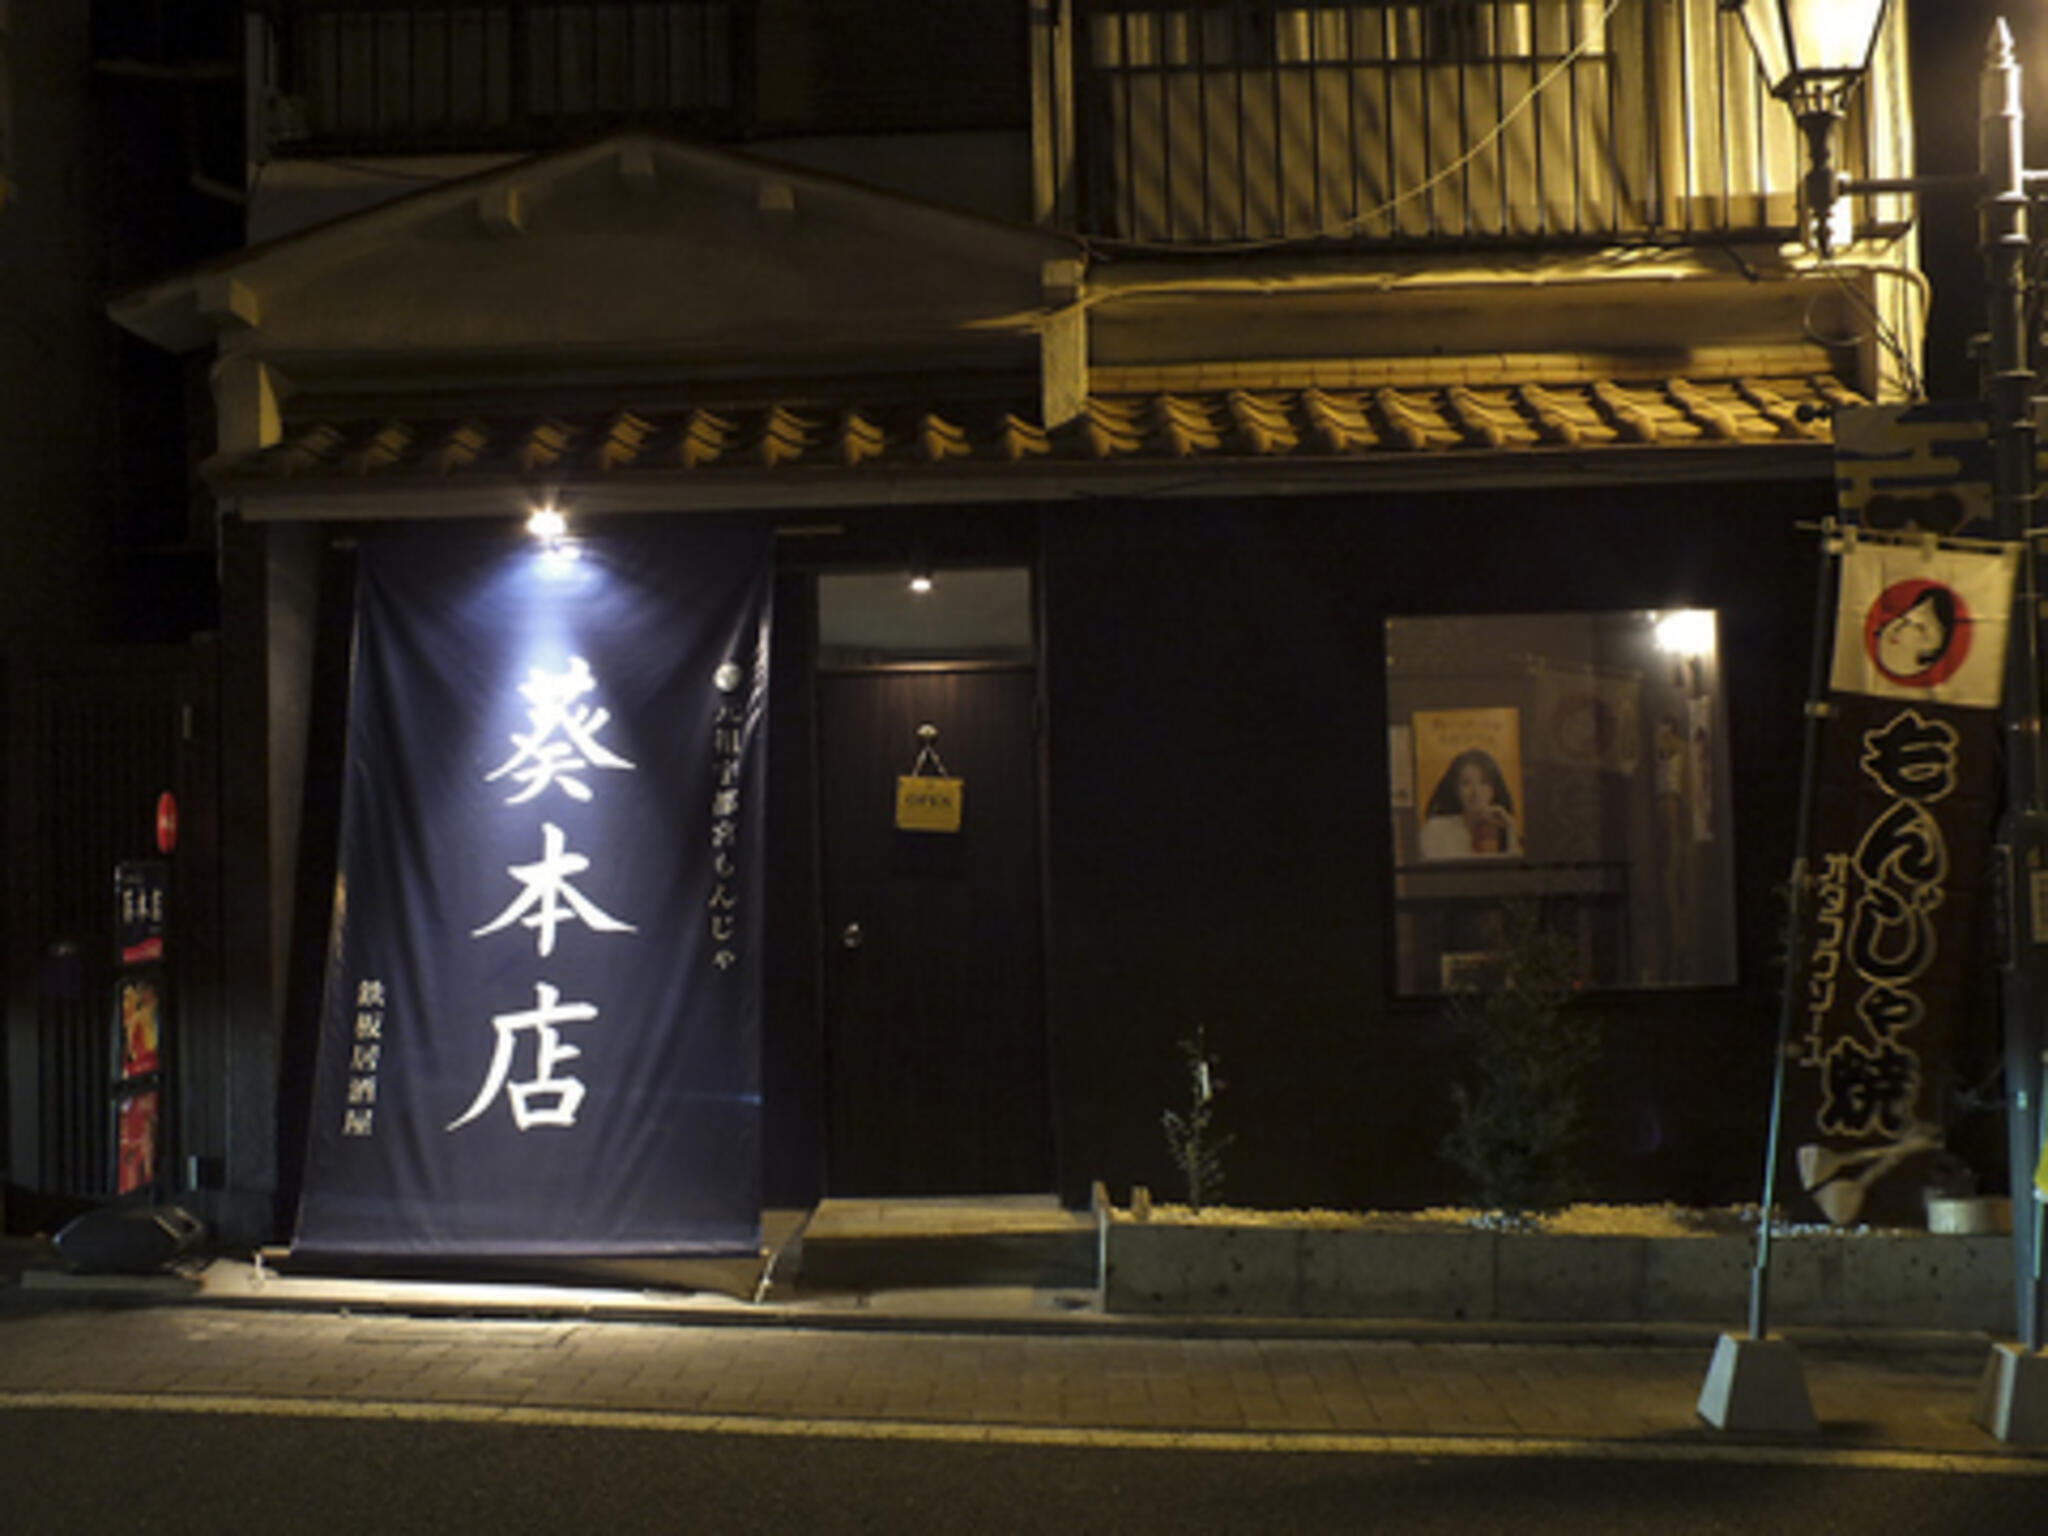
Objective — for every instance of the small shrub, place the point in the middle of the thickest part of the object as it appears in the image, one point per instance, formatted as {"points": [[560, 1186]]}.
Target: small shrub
{"points": [[1196, 1150], [1521, 1115]]}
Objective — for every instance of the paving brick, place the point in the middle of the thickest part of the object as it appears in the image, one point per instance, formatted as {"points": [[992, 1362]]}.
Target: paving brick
{"points": [[1871, 1389]]}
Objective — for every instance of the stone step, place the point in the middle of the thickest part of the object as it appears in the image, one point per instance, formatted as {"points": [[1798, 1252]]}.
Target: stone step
{"points": [[941, 1242]]}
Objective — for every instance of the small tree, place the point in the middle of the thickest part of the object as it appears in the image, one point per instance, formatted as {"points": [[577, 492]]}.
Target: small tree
{"points": [[1195, 1149], [1521, 1116]]}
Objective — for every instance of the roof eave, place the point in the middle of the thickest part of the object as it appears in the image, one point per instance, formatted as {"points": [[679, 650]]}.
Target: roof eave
{"points": [[430, 498]]}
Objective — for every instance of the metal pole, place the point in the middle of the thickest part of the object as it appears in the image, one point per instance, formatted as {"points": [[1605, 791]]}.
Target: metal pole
{"points": [[1795, 929], [2008, 386]]}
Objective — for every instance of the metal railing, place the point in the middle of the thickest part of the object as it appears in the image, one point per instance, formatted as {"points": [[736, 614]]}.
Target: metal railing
{"points": [[404, 76], [1218, 121]]}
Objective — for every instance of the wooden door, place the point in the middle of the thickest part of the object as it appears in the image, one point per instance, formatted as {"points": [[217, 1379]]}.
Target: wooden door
{"points": [[933, 978]]}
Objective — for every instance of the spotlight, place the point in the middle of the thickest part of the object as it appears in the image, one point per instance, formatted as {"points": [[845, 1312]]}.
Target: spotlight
{"points": [[1687, 632], [548, 525]]}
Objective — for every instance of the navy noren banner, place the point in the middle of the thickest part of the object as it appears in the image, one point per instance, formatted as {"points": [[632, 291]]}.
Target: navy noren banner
{"points": [[540, 1033]]}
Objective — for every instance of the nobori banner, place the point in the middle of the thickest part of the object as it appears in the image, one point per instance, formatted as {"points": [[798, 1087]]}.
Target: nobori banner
{"points": [[1905, 803], [540, 1030]]}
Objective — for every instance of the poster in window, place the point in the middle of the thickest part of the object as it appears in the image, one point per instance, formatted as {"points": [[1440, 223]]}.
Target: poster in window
{"points": [[141, 1023], [135, 1139], [1469, 763], [1585, 717], [1593, 750]]}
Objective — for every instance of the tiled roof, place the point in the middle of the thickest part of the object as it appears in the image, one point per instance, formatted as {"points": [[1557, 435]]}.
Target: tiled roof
{"points": [[1241, 425]]}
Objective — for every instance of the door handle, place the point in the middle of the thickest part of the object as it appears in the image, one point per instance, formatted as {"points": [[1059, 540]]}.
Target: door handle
{"points": [[851, 936]]}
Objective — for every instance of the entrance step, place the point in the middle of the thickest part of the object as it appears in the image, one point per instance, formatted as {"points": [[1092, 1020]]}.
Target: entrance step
{"points": [[942, 1242]]}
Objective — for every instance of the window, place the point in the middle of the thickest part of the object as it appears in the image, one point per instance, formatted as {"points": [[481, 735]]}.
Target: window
{"points": [[1574, 761], [1422, 121], [1246, 119], [500, 71], [876, 619]]}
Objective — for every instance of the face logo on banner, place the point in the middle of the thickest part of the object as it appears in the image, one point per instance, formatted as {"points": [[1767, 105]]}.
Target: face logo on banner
{"points": [[1923, 625], [1917, 633], [1902, 826]]}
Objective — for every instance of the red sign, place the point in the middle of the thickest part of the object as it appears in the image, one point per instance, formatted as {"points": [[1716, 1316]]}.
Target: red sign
{"points": [[166, 822], [135, 1140]]}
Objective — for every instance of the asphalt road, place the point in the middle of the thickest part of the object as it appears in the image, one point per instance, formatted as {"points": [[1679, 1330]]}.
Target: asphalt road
{"points": [[65, 1470]]}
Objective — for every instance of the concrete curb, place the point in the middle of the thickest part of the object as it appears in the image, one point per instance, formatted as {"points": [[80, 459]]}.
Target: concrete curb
{"points": [[1897, 1279], [976, 1311]]}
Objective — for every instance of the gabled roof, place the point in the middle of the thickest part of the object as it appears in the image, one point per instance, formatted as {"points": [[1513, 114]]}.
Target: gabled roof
{"points": [[635, 245]]}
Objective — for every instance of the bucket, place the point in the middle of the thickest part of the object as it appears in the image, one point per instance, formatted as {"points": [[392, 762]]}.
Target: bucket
{"points": [[1970, 1216]]}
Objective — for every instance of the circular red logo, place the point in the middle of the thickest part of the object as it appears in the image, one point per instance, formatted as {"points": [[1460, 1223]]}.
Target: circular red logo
{"points": [[166, 822], [1917, 633]]}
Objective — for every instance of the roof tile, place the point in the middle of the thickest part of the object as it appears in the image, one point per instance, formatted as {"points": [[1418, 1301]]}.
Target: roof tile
{"points": [[1187, 425]]}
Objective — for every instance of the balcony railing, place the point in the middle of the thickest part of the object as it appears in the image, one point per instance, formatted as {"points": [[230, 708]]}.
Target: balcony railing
{"points": [[411, 76], [1208, 122], [1185, 123]]}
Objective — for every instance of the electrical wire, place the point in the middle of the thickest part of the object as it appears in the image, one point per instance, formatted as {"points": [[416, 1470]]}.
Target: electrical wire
{"points": [[1351, 225], [1887, 335]]}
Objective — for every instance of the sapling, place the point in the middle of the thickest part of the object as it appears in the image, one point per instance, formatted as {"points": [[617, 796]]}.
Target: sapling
{"points": [[1197, 1150]]}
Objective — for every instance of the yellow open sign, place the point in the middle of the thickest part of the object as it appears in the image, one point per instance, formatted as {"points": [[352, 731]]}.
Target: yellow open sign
{"points": [[925, 804]]}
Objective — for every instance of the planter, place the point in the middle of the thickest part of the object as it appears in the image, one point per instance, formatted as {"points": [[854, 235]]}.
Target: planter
{"points": [[1903, 1279], [1969, 1216]]}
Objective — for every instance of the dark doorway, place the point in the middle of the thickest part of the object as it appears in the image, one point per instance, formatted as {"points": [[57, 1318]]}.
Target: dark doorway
{"points": [[934, 1026]]}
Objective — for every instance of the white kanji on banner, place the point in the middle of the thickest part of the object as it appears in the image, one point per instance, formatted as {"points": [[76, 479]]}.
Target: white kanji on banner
{"points": [[1914, 622]]}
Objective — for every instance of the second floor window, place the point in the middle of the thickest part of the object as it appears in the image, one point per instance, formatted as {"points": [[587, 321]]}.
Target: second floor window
{"points": [[364, 76], [1221, 121], [1450, 31]]}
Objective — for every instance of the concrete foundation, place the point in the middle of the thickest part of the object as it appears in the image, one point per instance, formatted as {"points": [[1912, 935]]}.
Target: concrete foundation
{"points": [[1893, 1280], [1757, 1387], [2012, 1395]]}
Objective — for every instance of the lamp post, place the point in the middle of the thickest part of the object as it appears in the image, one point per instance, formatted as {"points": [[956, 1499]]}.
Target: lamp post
{"points": [[1813, 53]]}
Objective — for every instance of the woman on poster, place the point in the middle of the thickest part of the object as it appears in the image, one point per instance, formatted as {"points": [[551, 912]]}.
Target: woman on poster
{"points": [[1471, 813]]}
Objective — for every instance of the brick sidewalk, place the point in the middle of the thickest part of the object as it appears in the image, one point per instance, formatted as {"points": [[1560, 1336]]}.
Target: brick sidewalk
{"points": [[1870, 1393]]}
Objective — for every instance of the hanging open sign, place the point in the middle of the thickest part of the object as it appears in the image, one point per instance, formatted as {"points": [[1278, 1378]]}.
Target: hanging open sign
{"points": [[928, 804], [927, 800]]}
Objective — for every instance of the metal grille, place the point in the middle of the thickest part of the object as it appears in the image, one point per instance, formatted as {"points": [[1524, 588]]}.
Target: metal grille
{"points": [[1468, 120], [363, 76], [104, 742]]}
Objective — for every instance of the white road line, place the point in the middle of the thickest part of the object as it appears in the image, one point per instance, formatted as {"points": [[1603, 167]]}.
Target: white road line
{"points": [[1464, 1447]]}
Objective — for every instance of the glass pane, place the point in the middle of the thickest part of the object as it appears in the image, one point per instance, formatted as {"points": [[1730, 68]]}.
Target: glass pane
{"points": [[869, 618], [1573, 762]]}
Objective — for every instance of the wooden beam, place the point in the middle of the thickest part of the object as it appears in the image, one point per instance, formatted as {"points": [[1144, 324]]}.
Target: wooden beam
{"points": [[1062, 344]]}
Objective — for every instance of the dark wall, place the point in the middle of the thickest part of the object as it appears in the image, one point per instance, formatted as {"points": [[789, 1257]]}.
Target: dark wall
{"points": [[890, 66], [792, 1048], [1219, 827], [1219, 844], [166, 140], [1946, 43]]}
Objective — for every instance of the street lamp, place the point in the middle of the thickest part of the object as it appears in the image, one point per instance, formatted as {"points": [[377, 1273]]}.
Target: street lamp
{"points": [[1813, 53]]}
